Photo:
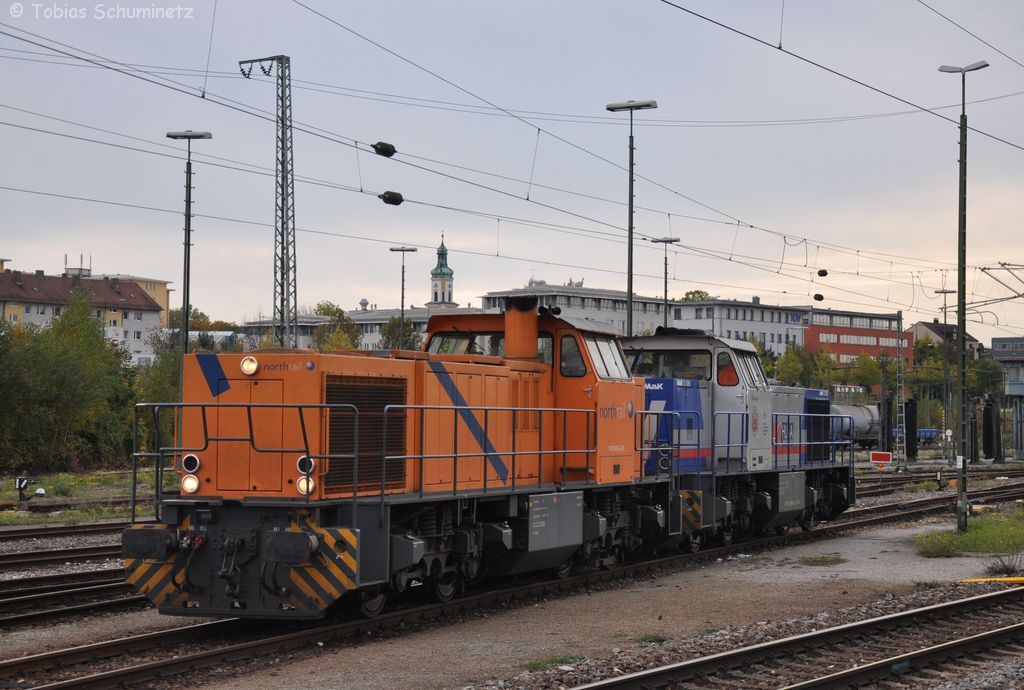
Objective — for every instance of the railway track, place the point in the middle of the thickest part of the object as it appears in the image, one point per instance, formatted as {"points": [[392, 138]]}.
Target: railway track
{"points": [[175, 651], [903, 647], [31, 559], [64, 595], [44, 531]]}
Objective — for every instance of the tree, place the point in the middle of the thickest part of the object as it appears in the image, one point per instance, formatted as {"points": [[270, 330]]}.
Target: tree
{"points": [[790, 366], [339, 320], [66, 395], [337, 340], [823, 370], [219, 325], [695, 296], [391, 336], [866, 371], [197, 320], [984, 377]]}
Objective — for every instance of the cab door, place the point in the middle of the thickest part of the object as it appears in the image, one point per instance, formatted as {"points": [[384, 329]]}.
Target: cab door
{"points": [[730, 400], [240, 465]]}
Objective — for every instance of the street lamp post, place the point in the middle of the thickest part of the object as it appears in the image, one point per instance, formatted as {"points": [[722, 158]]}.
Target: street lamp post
{"points": [[961, 296], [945, 369], [188, 135], [615, 108], [666, 241], [401, 323]]}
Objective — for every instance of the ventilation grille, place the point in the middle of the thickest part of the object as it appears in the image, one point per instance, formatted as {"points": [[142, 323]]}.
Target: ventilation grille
{"points": [[369, 395]]}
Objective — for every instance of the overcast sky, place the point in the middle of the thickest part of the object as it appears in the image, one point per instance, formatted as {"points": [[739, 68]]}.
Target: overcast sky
{"points": [[743, 132]]}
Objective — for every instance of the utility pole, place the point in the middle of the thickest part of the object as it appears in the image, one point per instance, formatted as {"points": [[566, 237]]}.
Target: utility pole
{"points": [[401, 323], [286, 318], [667, 241], [961, 296]]}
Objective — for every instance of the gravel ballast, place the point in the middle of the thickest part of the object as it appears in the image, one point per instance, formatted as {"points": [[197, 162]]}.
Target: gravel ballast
{"points": [[643, 622]]}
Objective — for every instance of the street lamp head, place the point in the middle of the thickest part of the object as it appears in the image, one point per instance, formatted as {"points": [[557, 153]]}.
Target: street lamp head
{"points": [[189, 134], [402, 249], [664, 240], [631, 105], [974, 66]]}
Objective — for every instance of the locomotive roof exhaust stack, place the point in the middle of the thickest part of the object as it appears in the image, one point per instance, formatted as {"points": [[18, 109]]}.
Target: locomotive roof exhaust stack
{"points": [[521, 327]]}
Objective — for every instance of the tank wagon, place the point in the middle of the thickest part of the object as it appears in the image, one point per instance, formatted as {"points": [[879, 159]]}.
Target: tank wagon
{"points": [[511, 443]]}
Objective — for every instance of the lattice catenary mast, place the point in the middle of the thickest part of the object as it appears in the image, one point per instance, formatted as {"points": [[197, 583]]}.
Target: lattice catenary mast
{"points": [[286, 320]]}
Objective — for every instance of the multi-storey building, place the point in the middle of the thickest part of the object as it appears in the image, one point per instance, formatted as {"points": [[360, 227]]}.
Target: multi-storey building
{"points": [[154, 287], [847, 334], [128, 314], [596, 304], [776, 326], [944, 335]]}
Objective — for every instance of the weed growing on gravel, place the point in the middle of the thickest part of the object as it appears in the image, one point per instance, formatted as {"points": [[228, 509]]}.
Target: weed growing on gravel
{"points": [[920, 586], [550, 662], [994, 533], [822, 559], [651, 638], [1005, 564]]}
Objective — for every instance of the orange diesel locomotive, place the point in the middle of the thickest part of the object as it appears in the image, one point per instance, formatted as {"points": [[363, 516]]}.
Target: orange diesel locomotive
{"points": [[508, 445]]}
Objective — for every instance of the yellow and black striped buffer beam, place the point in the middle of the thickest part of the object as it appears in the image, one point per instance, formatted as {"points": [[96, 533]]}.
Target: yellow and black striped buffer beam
{"points": [[691, 513], [158, 579], [334, 568]]}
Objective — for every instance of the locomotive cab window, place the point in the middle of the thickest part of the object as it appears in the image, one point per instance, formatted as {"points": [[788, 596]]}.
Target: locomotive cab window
{"points": [[727, 374], [570, 359], [484, 343], [694, 365], [607, 356]]}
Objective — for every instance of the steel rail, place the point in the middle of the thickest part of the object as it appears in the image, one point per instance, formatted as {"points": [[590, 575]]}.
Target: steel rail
{"points": [[666, 676], [49, 583], [10, 561]]}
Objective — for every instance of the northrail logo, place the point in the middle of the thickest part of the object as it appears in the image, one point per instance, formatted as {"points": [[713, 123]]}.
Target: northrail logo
{"points": [[282, 366]]}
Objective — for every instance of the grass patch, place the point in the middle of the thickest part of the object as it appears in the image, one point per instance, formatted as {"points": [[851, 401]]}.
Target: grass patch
{"points": [[822, 559], [652, 638], [551, 662], [11, 518], [88, 485], [920, 487], [993, 533], [926, 585]]}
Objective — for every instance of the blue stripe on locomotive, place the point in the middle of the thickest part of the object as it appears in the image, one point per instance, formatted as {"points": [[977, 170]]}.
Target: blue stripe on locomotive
{"points": [[682, 397]]}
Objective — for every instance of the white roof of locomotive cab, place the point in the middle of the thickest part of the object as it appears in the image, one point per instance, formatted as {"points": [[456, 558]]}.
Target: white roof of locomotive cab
{"points": [[681, 340]]}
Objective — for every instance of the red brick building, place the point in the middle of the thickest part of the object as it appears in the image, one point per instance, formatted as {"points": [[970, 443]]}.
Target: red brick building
{"points": [[848, 334]]}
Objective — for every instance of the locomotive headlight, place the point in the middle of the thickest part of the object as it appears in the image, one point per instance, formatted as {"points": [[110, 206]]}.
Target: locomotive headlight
{"points": [[249, 365], [305, 465], [305, 485], [190, 463], [190, 483]]}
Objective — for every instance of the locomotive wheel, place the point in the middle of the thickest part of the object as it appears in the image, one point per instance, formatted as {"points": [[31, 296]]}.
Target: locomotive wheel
{"points": [[372, 602], [694, 542], [565, 570], [809, 523], [444, 588], [725, 536]]}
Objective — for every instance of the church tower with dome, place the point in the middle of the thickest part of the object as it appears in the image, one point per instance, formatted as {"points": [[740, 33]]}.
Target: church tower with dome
{"points": [[442, 280]]}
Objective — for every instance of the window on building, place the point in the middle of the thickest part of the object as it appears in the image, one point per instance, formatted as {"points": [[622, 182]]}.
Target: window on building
{"points": [[710, 312], [838, 320], [14, 318], [763, 341], [125, 336], [138, 335], [138, 316], [828, 338], [28, 309], [113, 323], [861, 322], [728, 334], [56, 311], [820, 319], [677, 313], [698, 313], [99, 313], [771, 336], [113, 310], [762, 315]]}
